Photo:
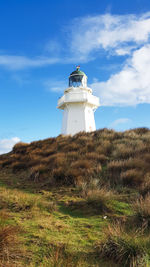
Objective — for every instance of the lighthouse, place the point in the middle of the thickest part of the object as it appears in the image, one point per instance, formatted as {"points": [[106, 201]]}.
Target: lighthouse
{"points": [[78, 105]]}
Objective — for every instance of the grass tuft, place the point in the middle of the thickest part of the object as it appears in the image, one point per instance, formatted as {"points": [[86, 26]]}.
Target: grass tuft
{"points": [[123, 248]]}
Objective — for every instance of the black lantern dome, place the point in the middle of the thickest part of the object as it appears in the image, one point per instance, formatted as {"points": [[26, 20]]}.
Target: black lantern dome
{"points": [[78, 78]]}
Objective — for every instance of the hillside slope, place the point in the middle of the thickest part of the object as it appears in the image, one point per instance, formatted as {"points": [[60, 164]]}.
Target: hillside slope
{"points": [[77, 201]]}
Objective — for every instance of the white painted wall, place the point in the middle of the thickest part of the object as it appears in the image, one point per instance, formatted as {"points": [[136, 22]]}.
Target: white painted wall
{"points": [[78, 105], [89, 119]]}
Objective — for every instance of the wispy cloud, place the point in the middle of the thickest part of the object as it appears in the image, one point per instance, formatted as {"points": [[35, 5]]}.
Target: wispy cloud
{"points": [[127, 36], [55, 86], [116, 34], [119, 122], [6, 145], [22, 62]]}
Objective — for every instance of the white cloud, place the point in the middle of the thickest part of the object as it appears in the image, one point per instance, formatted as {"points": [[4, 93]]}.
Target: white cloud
{"points": [[130, 86], [6, 145], [119, 121], [120, 35], [108, 32], [124, 50], [117, 34], [55, 86], [21, 62]]}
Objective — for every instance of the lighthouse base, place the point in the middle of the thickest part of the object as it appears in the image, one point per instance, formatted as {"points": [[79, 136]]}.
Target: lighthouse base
{"points": [[77, 118]]}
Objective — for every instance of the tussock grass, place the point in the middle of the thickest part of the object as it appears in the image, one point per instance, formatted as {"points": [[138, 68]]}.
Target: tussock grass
{"points": [[119, 158], [18, 201], [99, 199], [76, 188], [9, 246], [142, 210], [124, 248], [132, 177]]}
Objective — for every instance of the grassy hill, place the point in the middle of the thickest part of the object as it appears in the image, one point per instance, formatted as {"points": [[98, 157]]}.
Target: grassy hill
{"points": [[77, 201]]}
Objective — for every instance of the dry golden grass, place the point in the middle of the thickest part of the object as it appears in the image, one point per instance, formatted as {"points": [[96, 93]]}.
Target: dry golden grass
{"points": [[145, 187], [103, 171], [20, 147], [104, 148], [122, 151], [9, 246], [82, 164], [94, 156], [142, 210], [71, 147], [132, 177], [99, 196], [73, 155], [122, 247], [112, 156], [38, 172]]}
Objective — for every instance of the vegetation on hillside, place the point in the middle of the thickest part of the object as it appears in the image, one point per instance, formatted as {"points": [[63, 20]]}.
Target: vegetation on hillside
{"points": [[77, 201]]}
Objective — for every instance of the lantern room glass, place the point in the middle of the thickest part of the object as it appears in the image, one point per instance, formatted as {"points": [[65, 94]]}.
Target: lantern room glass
{"points": [[77, 80]]}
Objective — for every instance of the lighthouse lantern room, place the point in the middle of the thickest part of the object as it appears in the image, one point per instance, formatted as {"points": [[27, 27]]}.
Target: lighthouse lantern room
{"points": [[78, 105]]}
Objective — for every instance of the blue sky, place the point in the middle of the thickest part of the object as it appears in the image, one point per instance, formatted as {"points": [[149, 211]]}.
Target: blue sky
{"points": [[41, 42]]}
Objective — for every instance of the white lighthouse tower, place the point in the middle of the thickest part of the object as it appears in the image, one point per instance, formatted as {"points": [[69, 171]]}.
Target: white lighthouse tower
{"points": [[78, 105]]}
